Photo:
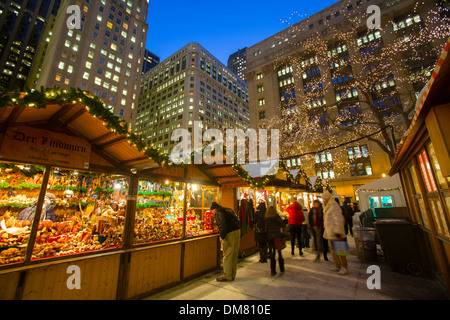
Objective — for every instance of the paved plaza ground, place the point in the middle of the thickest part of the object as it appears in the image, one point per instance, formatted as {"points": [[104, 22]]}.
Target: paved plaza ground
{"points": [[305, 279]]}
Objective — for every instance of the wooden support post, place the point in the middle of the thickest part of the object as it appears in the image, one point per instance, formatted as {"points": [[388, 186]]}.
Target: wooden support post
{"points": [[33, 234], [184, 205], [128, 237], [183, 245], [37, 216], [131, 212]]}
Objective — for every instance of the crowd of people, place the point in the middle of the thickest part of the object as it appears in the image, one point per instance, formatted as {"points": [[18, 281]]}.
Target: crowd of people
{"points": [[327, 223]]}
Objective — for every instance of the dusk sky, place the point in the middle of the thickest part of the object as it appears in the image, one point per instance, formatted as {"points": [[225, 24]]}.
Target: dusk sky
{"points": [[221, 27]]}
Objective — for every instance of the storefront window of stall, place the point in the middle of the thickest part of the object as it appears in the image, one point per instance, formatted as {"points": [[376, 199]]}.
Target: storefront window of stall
{"points": [[88, 214], [199, 219], [427, 174], [417, 197], [159, 211], [20, 185], [374, 202], [438, 215], [438, 206], [387, 202], [436, 167]]}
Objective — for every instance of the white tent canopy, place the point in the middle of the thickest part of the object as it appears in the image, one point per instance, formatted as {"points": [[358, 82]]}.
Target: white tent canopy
{"points": [[382, 184], [384, 187]]}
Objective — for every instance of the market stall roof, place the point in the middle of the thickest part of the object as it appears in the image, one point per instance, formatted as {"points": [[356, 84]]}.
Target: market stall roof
{"points": [[437, 92], [110, 151], [383, 184]]}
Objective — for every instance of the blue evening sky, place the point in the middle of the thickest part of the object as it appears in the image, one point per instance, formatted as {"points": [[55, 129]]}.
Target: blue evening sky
{"points": [[221, 27]]}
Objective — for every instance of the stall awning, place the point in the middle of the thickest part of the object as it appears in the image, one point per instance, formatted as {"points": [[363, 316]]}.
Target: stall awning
{"points": [[437, 92], [109, 150]]}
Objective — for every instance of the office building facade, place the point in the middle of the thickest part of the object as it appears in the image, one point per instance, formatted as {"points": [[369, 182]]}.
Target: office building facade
{"points": [[189, 88], [151, 60], [237, 62], [105, 56], [277, 86], [22, 25]]}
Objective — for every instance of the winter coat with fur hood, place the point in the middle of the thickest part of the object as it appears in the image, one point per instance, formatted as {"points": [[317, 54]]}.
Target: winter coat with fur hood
{"points": [[334, 221]]}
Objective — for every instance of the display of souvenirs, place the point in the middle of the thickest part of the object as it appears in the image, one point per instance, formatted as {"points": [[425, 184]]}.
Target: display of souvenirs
{"points": [[157, 224], [85, 212], [81, 212]]}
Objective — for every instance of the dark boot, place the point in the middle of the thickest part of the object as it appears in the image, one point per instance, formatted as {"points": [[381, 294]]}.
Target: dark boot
{"points": [[273, 264], [261, 257], [281, 263], [264, 255]]}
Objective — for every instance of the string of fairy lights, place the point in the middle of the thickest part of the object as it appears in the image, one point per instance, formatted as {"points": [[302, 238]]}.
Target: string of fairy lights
{"points": [[378, 66], [96, 107], [302, 129]]}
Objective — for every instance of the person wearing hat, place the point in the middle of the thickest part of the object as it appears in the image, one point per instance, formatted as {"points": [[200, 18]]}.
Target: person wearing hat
{"points": [[334, 222], [230, 233]]}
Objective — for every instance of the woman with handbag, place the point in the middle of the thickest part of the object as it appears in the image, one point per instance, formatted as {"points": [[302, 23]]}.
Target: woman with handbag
{"points": [[260, 231], [334, 231], [275, 237]]}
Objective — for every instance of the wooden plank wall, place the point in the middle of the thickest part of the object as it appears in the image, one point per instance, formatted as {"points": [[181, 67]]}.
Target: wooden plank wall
{"points": [[154, 268], [99, 278], [8, 285], [200, 256]]}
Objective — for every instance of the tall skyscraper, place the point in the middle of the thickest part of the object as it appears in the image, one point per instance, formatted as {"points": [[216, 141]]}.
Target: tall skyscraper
{"points": [[237, 62], [151, 60], [22, 25], [104, 57], [190, 88]]}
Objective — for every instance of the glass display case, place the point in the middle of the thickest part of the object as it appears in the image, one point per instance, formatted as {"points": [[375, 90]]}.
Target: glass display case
{"points": [[161, 206], [82, 212], [199, 219], [159, 213]]}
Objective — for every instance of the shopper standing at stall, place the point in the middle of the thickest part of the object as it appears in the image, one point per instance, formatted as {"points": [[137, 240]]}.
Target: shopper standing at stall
{"points": [[274, 225], [260, 231], [230, 233], [334, 230], [348, 214], [316, 226], [295, 220]]}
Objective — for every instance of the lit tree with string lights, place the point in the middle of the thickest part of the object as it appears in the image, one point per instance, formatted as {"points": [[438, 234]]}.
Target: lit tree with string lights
{"points": [[360, 84]]}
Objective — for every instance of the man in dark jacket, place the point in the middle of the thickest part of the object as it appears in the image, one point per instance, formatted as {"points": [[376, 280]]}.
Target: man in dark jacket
{"points": [[348, 214], [230, 233], [260, 231]]}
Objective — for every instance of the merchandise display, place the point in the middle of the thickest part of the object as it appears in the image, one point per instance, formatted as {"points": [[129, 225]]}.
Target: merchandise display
{"points": [[159, 214], [85, 212], [199, 219]]}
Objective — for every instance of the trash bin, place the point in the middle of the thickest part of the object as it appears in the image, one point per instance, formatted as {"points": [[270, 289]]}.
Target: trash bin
{"points": [[365, 241], [399, 243]]}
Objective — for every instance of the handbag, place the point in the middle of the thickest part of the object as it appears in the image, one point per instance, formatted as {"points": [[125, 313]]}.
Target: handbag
{"points": [[279, 243], [340, 247]]}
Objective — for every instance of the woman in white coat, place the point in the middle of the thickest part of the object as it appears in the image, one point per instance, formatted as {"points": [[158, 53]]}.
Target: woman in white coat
{"points": [[334, 225]]}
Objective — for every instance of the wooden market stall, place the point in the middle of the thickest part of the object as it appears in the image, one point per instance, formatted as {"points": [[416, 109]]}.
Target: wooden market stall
{"points": [[95, 203], [423, 161]]}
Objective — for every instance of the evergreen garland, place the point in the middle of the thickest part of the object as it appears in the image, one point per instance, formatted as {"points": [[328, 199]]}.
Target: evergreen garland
{"points": [[39, 99]]}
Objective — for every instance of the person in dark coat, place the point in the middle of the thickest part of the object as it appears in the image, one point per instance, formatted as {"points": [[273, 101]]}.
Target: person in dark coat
{"points": [[316, 226], [260, 231], [230, 233], [348, 214], [295, 220], [274, 224]]}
